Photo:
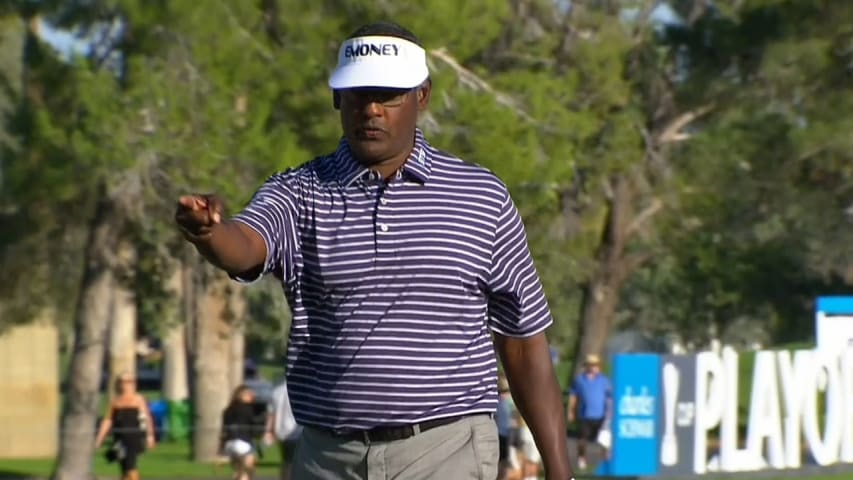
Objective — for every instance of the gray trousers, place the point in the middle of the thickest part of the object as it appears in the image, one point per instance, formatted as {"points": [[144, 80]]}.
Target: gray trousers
{"points": [[463, 450]]}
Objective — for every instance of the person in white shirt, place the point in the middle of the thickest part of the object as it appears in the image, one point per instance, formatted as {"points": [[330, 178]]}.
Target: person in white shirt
{"points": [[282, 428], [524, 454], [506, 423]]}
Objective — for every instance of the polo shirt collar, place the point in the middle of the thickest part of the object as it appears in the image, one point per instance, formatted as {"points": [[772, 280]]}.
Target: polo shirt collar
{"points": [[417, 166]]}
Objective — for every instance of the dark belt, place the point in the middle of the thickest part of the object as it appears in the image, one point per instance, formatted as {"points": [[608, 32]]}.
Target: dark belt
{"points": [[401, 432]]}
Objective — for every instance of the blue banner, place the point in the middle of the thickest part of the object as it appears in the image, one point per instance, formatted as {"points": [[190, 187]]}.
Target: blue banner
{"points": [[636, 416], [834, 305]]}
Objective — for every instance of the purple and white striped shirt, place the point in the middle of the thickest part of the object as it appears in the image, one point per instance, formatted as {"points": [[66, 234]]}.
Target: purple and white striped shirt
{"points": [[395, 285]]}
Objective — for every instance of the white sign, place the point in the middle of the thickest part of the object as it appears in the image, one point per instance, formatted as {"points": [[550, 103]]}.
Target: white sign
{"points": [[833, 333], [783, 408]]}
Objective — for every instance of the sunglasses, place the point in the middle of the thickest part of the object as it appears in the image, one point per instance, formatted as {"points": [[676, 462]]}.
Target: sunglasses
{"points": [[387, 97]]}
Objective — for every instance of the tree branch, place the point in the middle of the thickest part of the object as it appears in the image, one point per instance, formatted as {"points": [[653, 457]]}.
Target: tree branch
{"points": [[697, 10], [672, 132], [634, 261], [644, 216], [477, 83], [809, 154], [261, 49]]}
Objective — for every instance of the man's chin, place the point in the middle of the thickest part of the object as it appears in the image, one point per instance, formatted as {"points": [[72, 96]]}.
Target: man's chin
{"points": [[369, 152]]}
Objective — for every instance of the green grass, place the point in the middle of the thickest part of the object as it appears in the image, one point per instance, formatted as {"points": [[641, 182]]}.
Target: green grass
{"points": [[170, 461], [837, 476], [166, 460]]}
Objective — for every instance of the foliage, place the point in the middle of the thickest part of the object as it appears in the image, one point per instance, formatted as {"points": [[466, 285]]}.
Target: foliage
{"points": [[762, 224]]}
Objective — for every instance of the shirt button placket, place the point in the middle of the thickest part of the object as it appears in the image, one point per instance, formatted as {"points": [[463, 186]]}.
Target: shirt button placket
{"points": [[383, 217], [382, 213]]}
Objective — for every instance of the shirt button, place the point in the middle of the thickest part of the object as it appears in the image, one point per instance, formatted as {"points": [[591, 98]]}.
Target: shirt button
{"points": [[383, 201], [383, 227]]}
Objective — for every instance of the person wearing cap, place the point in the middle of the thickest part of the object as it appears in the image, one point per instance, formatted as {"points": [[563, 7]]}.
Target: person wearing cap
{"points": [[399, 262], [590, 403]]}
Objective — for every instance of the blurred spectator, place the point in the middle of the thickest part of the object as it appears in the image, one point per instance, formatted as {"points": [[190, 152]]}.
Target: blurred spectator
{"points": [[504, 417], [282, 428], [237, 437], [524, 455], [589, 403], [259, 385], [129, 420]]}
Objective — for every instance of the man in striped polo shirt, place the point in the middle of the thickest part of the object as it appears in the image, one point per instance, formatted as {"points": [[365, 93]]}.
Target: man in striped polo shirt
{"points": [[400, 262]]}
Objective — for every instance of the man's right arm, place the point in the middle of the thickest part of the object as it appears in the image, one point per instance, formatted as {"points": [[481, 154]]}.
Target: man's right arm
{"points": [[234, 247], [249, 244]]}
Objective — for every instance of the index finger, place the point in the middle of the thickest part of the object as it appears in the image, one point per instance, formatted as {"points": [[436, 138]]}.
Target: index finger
{"points": [[215, 208], [192, 201]]}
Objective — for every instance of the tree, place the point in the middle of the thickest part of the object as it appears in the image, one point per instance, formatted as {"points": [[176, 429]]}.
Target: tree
{"points": [[759, 230], [91, 320], [123, 312], [211, 382], [12, 34], [581, 135], [174, 332]]}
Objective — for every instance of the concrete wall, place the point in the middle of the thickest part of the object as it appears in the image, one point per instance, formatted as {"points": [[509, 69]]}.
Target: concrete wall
{"points": [[29, 392]]}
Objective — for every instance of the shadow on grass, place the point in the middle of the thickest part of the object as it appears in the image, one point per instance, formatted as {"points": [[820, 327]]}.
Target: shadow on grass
{"points": [[15, 475]]}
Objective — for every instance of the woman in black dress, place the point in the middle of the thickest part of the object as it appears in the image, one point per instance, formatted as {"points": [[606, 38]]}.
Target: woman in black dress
{"points": [[129, 420]]}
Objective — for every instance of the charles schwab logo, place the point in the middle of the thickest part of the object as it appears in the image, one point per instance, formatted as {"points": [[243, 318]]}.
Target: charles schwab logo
{"points": [[636, 412]]}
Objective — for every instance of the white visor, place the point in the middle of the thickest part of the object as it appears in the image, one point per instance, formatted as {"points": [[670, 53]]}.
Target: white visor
{"points": [[379, 61]]}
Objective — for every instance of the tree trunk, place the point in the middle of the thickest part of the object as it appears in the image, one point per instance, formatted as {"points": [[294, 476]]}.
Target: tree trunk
{"points": [[237, 309], [601, 293], [600, 299], [237, 355], [210, 363], [77, 436], [12, 34], [189, 287], [175, 380], [124, 316]]}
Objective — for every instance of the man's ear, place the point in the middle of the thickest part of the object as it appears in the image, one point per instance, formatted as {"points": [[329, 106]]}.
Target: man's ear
{"points": [[336, 99], [423, 94]]}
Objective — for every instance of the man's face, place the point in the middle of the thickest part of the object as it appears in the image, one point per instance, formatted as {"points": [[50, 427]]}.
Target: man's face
{"points": [[592, 368], [378, 123]]}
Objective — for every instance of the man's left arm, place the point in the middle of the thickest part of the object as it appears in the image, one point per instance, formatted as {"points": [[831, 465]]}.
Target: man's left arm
{"points": [[518, 317], [530, 373]]}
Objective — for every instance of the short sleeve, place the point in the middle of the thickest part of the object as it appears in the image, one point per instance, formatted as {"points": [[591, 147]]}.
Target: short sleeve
{"points": [[517, 304], [272, 212], [574, 387]]}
